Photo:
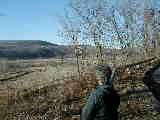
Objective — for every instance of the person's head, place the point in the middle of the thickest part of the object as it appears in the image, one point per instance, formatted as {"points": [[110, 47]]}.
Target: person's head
{"points": [[103, 73]]}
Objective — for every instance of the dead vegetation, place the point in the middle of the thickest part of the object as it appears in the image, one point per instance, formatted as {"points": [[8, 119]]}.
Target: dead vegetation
{"points": [[65, 101]]}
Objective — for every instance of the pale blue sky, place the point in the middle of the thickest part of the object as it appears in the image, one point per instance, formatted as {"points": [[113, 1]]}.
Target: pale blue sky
{"points": [[30, 19]]}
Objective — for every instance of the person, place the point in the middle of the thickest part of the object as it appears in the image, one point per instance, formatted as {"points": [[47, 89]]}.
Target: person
{"points": [[152, 81], [104, 101]]}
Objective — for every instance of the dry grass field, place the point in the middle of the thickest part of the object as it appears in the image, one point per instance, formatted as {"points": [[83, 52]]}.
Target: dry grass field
{"points": [[29, 76], [47, 89]]}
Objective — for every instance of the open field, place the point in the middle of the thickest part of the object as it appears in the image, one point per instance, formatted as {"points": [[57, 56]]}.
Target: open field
{"points": [[29, 76], [34, 74], [49, 89]]}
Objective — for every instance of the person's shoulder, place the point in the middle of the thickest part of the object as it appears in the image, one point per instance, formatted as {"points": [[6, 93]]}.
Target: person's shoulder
{"points": [[102, 89], [152, 70], [150, 74]]}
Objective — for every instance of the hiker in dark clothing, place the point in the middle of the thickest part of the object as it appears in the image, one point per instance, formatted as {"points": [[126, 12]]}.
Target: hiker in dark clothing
{"points": [[152, 81], [102, 103]]}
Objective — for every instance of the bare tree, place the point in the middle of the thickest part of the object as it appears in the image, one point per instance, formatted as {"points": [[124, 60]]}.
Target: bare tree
{"points": [[109, 24]]}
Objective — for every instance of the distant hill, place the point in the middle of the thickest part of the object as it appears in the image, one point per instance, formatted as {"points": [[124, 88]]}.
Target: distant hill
{"points": [[30, 49]]}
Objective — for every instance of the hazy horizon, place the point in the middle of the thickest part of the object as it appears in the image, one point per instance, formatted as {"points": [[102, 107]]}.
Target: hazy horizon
{"points": [[50, 41]]}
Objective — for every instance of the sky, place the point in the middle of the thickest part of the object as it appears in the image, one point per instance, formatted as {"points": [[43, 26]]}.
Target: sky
{"points": [[31, 19]]}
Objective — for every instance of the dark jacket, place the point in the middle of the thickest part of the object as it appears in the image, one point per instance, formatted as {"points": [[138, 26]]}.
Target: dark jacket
{"points": [[102, 104], [152, 81]]}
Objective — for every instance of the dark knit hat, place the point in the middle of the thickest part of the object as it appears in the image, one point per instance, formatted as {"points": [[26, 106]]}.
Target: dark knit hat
{"points": [[106, 69]]}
